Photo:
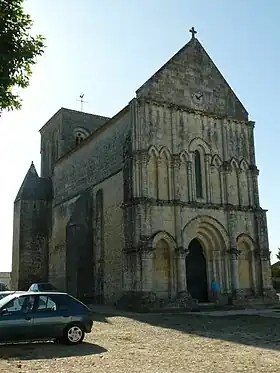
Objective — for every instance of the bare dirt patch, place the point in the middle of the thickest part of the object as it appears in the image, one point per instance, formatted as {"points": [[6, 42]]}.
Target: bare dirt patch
{"points": [[158, 343]]}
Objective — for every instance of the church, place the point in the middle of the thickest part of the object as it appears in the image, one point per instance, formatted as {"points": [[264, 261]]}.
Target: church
{"points": [[162, 198]]}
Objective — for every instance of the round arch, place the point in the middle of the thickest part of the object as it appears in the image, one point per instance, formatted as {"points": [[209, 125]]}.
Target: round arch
{"points": [[208, 231], [197, 143], [162, 235], [164, 268], [247, 239], [153, 151], [246, 265], [80, 130]]}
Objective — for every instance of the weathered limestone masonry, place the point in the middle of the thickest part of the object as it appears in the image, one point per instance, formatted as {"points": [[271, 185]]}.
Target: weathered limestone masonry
{"points": [[194, 187], [152, 205]]}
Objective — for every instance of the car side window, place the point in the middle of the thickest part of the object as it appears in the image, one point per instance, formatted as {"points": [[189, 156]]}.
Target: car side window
{"points": [[20, 304], [45, 303], [66, 303]]}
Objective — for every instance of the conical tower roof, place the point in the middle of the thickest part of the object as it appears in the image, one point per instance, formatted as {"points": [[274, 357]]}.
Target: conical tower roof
{"points": [[33, 187]]}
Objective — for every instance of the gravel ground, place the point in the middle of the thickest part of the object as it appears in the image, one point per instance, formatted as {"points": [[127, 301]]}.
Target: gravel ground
{"points": [[158, 343]]}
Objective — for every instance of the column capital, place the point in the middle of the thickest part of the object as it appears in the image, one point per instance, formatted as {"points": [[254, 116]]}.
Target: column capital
{"points": [[176, 161], [234, 252], [146, 255], [182, 251], [216, 253], [145, 157], [263, 254], [208, 157]]}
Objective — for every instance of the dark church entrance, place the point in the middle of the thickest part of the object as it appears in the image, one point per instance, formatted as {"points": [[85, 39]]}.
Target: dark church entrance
{"points": [[196, 272]]}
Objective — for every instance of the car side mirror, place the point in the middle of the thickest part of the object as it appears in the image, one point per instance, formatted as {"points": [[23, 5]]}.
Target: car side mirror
{"points": [[4, 311]]}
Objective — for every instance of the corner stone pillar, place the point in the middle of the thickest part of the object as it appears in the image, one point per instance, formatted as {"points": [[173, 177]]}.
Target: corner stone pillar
{"points": [[265, 270], [181, 269], [147, 270], [233, 252]]}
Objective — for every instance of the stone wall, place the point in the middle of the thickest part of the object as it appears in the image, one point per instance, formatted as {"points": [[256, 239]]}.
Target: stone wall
{"points": [[57, 253], [104, 252], [58, 135], [165, 141], [98, 158], [111, 238], [30, 245], [16, 245], [191, 79], [96, 165]]}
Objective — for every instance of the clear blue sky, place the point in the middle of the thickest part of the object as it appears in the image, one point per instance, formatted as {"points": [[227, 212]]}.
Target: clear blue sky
{"points": [[108, 48]]}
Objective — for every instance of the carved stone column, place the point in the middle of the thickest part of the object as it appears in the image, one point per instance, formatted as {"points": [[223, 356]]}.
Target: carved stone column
{"points": [[214, 267], [226, 269], [191, 182], [137, 177], [234, 252], [181, 270], [219, 269], [253, 271], [144, 164], [176, 164], [208, 177], [147, 270]]}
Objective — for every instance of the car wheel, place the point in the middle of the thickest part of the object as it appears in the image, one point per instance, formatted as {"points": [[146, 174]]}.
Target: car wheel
{"points": [[73, 334]]}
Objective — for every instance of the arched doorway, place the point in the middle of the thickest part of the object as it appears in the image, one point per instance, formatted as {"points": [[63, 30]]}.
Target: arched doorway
{"points": [[196, 272]]}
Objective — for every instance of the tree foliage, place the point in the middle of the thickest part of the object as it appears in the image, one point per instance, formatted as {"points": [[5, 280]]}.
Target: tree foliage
{"points": [[275, 272], [18, 52]]}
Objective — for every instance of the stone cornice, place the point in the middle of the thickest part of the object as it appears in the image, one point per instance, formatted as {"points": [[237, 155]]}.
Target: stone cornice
{"points": [[172, 106], [197, 205]]}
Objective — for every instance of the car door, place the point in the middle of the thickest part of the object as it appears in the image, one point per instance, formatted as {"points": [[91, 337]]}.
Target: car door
{"points": [[47, 318], [16, 319]]}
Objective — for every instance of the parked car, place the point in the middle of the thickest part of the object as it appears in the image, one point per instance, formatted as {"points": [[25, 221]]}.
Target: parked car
{"points": [[4, 294], [43, 286], [27, 316]]}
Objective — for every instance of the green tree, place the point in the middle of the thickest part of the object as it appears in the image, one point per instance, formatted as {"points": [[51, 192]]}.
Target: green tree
{"points": [[18, 52], [275, 272]]}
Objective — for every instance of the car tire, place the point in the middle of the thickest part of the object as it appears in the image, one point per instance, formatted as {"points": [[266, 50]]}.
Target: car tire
{"points": [[73, 334]]}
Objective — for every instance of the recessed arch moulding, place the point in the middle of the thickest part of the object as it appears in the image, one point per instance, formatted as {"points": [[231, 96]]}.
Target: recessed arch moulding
{"points": [[214, 240]]}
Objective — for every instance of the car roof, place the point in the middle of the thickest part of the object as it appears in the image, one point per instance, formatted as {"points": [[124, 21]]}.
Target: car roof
{"points": [[11, 291], [7, 292], [44, 293]]}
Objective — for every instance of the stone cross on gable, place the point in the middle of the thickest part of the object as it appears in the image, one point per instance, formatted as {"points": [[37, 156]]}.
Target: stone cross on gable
{"points": [[193, 32]]}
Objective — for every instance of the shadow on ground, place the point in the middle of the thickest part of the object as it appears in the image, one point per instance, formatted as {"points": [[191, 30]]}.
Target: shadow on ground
{"points": [[47, 350], [254, 331], [249, 330]]}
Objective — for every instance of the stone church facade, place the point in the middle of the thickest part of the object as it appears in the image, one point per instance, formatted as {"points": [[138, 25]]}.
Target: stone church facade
{"points": [[162, 198]]}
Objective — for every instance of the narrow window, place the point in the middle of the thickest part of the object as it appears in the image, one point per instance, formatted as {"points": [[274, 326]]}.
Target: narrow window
{"points": [[79, 139], [198, 174]]}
